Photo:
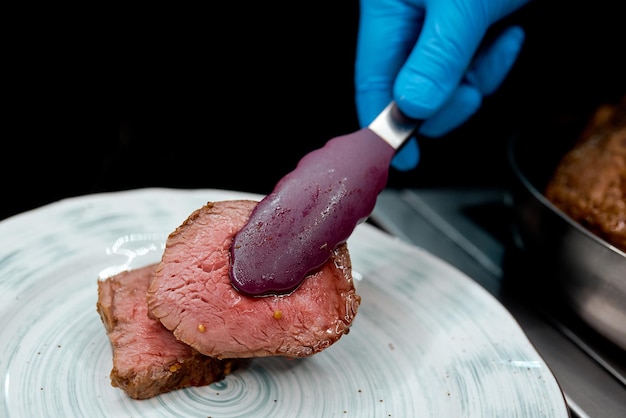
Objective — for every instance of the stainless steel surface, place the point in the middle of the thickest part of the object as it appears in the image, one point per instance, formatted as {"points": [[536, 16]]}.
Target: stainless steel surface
{"points": [[472, 230], [393, 127], [590, 272]]}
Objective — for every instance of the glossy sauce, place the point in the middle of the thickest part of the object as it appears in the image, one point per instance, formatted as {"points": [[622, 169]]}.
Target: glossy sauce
{"points": [[311, 210]]}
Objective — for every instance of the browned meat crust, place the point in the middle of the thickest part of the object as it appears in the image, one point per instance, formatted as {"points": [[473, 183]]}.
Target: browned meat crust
{"points": [[192, 295], [147, 358], [589, 184]]}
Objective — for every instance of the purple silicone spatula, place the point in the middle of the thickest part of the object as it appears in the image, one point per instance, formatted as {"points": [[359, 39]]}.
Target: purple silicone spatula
{"points": [[294, 229]]}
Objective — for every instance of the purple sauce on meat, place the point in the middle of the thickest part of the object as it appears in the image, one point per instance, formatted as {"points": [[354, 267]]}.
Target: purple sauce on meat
{"points": [[293, 230]]}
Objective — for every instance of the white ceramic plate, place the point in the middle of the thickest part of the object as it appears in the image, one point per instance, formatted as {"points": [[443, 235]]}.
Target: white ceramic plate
{"points": [[427, 340]]}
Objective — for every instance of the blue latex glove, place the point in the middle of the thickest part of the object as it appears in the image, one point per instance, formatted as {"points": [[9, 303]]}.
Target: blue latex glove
{"points": [[421, 53]]}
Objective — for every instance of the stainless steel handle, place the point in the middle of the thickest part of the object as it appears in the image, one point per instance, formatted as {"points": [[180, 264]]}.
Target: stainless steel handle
{"points": [[393, 126]]}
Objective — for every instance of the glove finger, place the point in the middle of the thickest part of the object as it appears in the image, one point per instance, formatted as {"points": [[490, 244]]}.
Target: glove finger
{"points": [[492, 65], [407, 157], [449, 38], [370, 104], [463, 103], [387, 33]]}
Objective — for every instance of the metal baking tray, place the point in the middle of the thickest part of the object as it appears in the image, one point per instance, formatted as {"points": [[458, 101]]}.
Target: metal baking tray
{"points": [[590, 273]]}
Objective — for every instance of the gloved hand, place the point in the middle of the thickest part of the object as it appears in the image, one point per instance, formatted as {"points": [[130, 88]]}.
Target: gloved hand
{"points": [[421, 53]]}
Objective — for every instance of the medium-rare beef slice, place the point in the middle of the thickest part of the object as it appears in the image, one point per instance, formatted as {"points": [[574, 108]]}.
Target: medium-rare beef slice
{"points": [[193, 297], [589, 184], [147, 358]]}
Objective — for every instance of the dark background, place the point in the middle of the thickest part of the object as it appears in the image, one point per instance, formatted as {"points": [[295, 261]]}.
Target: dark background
{"points": [[232, 96]]}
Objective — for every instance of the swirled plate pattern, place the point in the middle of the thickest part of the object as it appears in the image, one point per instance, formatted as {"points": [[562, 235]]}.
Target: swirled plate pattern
{"points": [[427, 340]]}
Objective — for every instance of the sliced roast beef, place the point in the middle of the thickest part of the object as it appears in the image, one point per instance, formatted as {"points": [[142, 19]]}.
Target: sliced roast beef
{"points": [[193, 297], [147, 358]]}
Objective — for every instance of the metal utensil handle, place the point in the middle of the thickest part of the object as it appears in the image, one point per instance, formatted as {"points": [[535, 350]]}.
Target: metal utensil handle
{"points": [[393, 126]]}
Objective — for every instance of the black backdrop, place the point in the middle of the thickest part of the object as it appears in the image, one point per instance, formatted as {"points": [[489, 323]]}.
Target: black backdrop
{"points": [[233, 96]]}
